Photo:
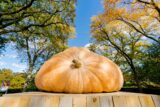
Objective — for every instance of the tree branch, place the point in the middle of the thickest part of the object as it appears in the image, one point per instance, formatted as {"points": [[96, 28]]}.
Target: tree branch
{"points": [[12, 21], [142, 32], [17, 11], [152, 3], [27, 27]]}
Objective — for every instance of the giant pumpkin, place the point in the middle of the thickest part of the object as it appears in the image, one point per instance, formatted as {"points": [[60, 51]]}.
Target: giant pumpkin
{"points": [[78, 70]]}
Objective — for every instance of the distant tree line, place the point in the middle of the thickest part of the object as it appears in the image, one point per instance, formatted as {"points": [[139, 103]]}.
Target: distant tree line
{"points": [[16, 80]]}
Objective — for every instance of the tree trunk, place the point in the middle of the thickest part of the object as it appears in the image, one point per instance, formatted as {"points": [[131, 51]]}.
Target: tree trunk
{"points": [[128, 59], [136, 77], [28, 79]]}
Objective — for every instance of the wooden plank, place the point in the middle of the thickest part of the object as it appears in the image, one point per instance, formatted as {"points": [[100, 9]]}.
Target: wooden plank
{"points": [[65, 101], [146, 101], [156, 100], [132, 101], [51, 101], [79, 101], [126, 101], [1, 99], [37, 101], [89, 94], [93, 101], [24, 101], [106, 101], [10, 102], [119, 101]]}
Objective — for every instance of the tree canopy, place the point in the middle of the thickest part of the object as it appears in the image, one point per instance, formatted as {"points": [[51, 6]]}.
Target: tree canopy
{"points": [[125, 32], [48, 18], [141, 15], [37, 28]]}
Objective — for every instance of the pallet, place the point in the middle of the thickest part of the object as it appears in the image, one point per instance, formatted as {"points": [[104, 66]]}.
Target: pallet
{"points": [[116, 99]]}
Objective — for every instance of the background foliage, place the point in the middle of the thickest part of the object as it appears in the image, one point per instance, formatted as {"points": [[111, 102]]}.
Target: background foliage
{"points": [[127, 31]]}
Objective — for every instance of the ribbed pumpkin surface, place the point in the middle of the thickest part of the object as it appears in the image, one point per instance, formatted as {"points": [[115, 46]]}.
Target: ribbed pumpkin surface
{"points": [[78, 70]]}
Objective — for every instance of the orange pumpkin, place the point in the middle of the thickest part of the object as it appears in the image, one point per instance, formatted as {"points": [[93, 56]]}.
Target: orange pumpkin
{"points": [[78, 70]]}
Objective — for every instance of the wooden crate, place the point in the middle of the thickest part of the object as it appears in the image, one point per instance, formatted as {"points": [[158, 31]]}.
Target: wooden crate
{"points": [[116, 99]]}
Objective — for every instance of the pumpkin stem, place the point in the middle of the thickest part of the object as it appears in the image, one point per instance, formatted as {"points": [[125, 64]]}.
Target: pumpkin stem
{"points": [[76, 63]]}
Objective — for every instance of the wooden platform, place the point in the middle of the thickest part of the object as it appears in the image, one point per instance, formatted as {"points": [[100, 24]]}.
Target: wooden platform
{"points": [[116, 99]]}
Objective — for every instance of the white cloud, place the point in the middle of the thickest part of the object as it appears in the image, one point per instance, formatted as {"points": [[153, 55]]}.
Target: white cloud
{"points": [[125, 32], [12, 44], [11, 55], [87, 45], [144, 38], [97, 46], [19, 66], [2, 63], [8, 56], [1, 56]]}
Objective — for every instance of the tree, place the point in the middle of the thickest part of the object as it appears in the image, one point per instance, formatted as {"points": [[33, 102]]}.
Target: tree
{"points": [[20, 15], [140, 15], [35, 49], [150, 71], [124, 47], [125, 30], [35, 15], [16, 79], [5, 74], [38, 28], [154, 5], [3, 42]]}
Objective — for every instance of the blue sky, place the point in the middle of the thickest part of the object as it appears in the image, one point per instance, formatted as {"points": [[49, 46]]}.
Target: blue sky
{"points": [[85, 9]]}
